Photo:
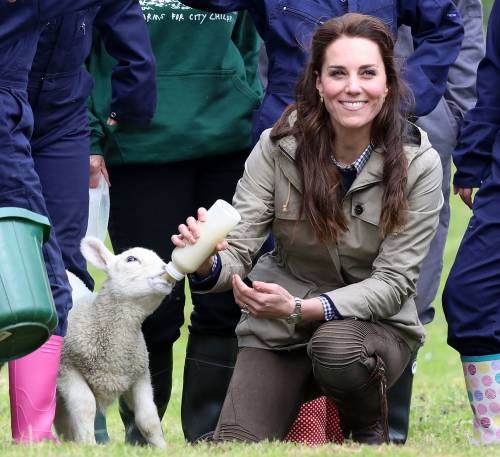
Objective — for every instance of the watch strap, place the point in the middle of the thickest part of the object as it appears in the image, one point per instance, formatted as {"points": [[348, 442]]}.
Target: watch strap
{"points": [[296, 316]]}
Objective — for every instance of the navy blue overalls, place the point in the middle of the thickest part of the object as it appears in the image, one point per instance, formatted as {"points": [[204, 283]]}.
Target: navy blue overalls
{"points": [[58, 88], [287, 26], [471, 297], [20, 27]]}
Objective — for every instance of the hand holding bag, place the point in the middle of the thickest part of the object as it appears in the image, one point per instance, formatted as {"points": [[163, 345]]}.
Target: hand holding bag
{"points": [[98, 210]]}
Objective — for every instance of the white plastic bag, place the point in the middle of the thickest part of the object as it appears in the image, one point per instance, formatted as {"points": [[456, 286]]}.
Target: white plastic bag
{"points": [[98, 210], [79, 291]]}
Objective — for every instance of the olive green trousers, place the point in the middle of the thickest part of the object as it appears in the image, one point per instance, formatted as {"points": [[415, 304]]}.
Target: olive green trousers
{"points": [[269, 386]]}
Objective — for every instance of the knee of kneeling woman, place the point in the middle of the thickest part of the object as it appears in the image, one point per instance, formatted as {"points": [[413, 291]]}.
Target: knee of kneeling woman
{"points": [[338, 358]]}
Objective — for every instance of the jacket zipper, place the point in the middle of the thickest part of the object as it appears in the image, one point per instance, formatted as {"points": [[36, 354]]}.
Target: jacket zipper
{"points": [[301, 14]]}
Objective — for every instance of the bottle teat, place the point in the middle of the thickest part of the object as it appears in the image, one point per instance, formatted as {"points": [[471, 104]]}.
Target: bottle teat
{"points": [[172, 274]]}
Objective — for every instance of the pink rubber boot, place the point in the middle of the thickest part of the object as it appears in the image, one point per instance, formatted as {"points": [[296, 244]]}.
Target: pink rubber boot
{"points": [[32, 388]]}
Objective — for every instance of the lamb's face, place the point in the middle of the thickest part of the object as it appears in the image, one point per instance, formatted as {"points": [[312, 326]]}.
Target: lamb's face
{"points": [[135, 275], [138, 273]]}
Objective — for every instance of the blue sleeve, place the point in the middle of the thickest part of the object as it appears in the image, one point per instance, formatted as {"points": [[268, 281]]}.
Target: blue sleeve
{"points": [[19, 17], [472, 156], [460, 94], [437, 32], [48, 9], [125, 35], [208, 282], [219, 6]]}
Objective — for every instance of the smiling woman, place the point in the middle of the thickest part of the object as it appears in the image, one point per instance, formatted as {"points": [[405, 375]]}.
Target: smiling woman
{"points": [[353, 86], [349, 243], [349, 100]]}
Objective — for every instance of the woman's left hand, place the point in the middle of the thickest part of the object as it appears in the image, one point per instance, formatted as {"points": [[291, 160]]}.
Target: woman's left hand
{"points": [[263, 300]]}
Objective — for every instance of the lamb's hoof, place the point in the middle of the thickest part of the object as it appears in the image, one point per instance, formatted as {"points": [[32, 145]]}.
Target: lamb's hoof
{"points": [[160, 444]]}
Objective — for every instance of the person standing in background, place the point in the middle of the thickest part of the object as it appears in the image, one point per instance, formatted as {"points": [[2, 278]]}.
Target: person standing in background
{"points": [[21, 23], [192, 154], [472, 292], [58, 90], [286, 27], [442, 126]]}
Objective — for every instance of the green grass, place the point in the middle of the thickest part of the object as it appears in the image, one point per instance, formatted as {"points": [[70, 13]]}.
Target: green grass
{"points": [[487, 4]]}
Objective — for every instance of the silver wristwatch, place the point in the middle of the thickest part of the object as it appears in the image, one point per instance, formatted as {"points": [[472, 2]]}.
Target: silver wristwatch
{"points": [[296, 316]]}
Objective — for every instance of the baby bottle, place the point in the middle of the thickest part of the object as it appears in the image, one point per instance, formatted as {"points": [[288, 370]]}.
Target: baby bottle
{"points": [[221, 219]]}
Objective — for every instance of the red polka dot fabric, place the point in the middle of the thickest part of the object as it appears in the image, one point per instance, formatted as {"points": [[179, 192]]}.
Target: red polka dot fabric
{"points": [[317, 423]]}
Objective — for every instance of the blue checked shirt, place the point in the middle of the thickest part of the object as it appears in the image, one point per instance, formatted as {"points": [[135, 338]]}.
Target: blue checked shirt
{"points": [[359, 163]]}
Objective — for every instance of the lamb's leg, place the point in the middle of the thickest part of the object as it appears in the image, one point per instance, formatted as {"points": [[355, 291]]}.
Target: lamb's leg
{"points": [[80, 406], [139, 399]]}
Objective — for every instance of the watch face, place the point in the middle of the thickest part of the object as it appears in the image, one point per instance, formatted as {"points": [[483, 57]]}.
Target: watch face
{"points": [[296, 316]]}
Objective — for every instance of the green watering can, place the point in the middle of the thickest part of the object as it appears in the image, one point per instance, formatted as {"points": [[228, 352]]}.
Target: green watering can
{"points": [[27, 312]]}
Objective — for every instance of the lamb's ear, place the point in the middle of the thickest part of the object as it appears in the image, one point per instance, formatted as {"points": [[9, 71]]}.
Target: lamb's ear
{"points": [[96, 253]]}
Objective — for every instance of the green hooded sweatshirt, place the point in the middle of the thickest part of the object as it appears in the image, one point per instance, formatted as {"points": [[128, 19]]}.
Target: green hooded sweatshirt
{"points": [[208, 88]]}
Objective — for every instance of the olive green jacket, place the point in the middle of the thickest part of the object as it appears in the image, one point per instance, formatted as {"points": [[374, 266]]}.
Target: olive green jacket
{"points": [[367, 277]]}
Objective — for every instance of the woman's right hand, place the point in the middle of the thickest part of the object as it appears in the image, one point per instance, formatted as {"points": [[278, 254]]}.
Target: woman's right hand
{"points": [[189, 234]]}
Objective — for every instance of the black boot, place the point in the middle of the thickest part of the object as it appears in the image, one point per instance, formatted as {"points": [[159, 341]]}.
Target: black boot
{"points": [[399, 401], [363, 412], [160, 367], [207, 371]]}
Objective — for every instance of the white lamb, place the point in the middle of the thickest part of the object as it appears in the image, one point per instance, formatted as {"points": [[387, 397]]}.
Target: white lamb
{"points": [[104, 353]]}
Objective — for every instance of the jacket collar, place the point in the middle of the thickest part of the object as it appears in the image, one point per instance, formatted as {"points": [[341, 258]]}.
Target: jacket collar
{"points": [[287, 147], [371, 173]]}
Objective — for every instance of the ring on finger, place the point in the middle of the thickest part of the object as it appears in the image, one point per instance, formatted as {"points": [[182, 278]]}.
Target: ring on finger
{"points": [[244, 309]]}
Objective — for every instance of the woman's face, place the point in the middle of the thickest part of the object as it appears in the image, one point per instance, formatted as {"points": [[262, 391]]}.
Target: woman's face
{"points": [[353, 84]]}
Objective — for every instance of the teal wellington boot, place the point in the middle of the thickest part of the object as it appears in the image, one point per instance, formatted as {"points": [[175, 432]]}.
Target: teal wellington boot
{"points": [[100, 429]]}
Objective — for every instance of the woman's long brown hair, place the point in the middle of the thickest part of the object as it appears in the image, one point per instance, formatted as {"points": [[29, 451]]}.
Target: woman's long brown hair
{"points": [[322, 186]]}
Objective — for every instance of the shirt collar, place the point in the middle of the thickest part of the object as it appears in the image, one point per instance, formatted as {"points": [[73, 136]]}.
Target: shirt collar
{"points": [[359, 163]]}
